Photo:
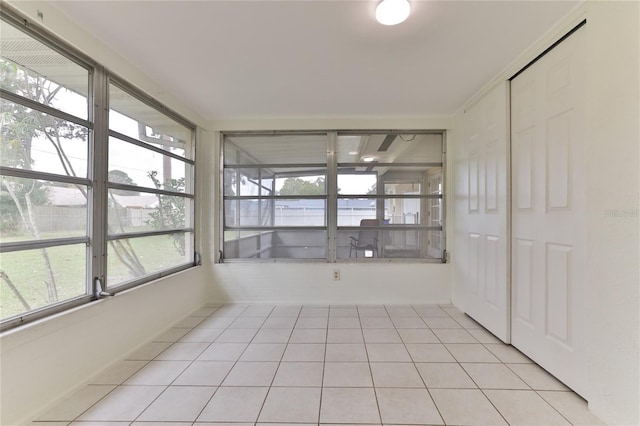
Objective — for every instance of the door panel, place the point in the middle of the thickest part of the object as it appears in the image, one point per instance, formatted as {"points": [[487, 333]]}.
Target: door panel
{"points": [[522, 270], [474, 183], [522, 168], [485, 292], [558, 292], [491, 270], [549, 212]]}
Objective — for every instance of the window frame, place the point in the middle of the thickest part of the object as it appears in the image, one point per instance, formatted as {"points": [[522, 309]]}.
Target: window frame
{"points": [[332, 196], [96, 181], [263, 230], [159, 107]]}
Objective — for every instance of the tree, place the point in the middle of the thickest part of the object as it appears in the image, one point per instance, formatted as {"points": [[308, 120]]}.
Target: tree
{"points": [[298, 186], [13, 204], [118, 176], [170, 212]]}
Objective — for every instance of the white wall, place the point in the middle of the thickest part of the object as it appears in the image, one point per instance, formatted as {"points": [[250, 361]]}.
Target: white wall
{"points": [[613, 150], [46, 360], [312, 283], [613, 154]]}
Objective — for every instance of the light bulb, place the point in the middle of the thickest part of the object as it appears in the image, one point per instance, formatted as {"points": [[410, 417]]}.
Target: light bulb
{"points": [[392, 12]]}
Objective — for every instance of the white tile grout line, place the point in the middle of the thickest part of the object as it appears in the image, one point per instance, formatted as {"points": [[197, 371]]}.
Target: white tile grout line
{"points": [[299, 315], [324, 363], [75, 419], [191, 363], [366, 350], [416, 368], [279, 363]]}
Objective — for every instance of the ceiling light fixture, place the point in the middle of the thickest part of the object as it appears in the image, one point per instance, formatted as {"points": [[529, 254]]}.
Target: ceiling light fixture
{"points": [[368, 159], [392, 12]]}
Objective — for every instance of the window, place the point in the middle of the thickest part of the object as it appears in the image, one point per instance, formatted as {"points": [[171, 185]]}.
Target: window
{"points": [[52, 235], [333, 196], [275, 196], [150, 190]]}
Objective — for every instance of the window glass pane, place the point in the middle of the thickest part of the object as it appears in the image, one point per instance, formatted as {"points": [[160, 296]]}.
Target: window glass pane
{"points": [[41, 277], [249, 186], [404, 211], [365, 242], [434, 212], [134, 258], [254, 212], [391, 211], [435, 244], [275, 149], [134, 118], [33, 140], [291, 212], [143, 211], [300, 184], [389, 148], [389, 243], [278, 244], [396, 180], [287, 180], [29, 68], [133, 165], [35, 209], [363, 183], [248, 182], [278, 212], [396, 211], [352, 210]]}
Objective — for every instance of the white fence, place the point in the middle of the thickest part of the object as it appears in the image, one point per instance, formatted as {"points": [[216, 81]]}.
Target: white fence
{"points": [[316, 217], [60, 219]]}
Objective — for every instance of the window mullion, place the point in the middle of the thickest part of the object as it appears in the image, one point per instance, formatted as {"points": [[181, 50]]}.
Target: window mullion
{"points": [[332, 200], [98, 155], [443, 213]]}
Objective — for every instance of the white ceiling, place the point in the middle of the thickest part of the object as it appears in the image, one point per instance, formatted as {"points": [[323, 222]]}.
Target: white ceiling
{"points": [[289, 59]]}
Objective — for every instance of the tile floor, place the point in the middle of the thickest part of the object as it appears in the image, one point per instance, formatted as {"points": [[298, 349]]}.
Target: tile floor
{"points": [[257, 364]]}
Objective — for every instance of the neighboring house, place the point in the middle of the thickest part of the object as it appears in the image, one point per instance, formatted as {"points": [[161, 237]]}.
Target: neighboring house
{"points": [[66, 210]]}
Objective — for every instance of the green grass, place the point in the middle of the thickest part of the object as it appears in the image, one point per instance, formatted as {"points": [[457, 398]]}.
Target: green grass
{"points": [[27, 270], [155, 253]]}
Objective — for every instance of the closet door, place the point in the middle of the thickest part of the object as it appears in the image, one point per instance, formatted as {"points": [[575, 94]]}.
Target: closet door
{"points": [[549, 233], [486, 291]]}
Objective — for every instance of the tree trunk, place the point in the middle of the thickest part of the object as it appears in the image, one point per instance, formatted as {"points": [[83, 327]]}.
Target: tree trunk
{"points": [[51, 283], [15, 291]]}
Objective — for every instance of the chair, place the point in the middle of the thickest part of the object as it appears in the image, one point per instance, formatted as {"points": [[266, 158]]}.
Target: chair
{"points": [[367, 238]]}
